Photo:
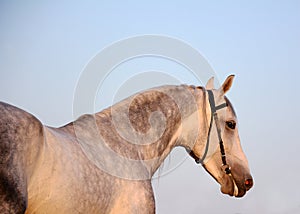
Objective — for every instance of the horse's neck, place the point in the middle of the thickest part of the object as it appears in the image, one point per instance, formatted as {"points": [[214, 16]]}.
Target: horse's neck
{"points": [[149, 125]]}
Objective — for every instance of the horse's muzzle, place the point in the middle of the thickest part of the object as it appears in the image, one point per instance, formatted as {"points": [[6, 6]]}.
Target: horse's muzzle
{"points": [[244, 186]]}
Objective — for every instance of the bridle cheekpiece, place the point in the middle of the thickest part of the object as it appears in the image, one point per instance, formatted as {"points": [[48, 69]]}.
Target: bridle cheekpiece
{"points": [[214, 116]]}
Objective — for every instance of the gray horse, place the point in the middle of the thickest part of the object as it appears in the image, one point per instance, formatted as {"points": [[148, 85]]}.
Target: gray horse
{"points": [[103, 163]]}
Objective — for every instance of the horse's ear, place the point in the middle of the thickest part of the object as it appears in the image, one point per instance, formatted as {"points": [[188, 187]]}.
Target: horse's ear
{"points": [[227, 84], [210, 84]]}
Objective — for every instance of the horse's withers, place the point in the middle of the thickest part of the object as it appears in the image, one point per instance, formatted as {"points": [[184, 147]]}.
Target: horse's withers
{"points": [[21, 140]]}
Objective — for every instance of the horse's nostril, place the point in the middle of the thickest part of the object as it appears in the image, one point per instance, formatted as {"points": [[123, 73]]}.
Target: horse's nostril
{"points": [[248, 183]]}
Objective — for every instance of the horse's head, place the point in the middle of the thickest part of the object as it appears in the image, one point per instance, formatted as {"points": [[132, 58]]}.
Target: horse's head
{"points": [[234, 177]]}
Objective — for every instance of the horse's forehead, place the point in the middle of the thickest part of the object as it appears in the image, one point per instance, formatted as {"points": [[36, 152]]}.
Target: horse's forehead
{"points": [[229, 104]]}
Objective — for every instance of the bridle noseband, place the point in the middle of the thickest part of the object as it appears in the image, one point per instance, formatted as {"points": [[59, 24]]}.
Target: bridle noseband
{"points": [[214, 116]]}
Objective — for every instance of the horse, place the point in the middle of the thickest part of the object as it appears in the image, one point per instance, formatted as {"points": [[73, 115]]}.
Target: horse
{"points": [[104, 162]]}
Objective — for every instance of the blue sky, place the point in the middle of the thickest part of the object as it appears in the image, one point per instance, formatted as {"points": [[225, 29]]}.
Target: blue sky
{"points": [[45, 45]]}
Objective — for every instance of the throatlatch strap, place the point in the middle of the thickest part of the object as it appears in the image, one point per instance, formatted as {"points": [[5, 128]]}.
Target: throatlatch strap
{"points": [[200, 160]]}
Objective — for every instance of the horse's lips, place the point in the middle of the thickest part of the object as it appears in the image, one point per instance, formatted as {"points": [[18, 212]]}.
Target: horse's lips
{"points": [[235, 189]]}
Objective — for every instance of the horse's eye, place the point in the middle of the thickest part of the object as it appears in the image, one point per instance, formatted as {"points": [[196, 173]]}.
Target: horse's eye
{"points": [[231, 124]]}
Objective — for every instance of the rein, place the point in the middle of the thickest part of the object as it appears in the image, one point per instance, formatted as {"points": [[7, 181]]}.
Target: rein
{"points": [[214, 116]]}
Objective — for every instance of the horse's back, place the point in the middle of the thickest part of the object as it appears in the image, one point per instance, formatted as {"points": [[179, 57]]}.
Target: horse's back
{"points": [[18, 131]]}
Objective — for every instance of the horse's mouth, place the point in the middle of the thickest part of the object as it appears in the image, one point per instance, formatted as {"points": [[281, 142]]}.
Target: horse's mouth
{"points": [[232, 187], [235, 187], [229, 185]]}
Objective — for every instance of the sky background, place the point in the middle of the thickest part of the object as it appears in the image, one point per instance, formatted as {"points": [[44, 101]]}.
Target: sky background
{"points": [[45, 45]]}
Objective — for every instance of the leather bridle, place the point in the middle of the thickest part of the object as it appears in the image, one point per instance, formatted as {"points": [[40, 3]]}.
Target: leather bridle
{"points": [[214, 116]]}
